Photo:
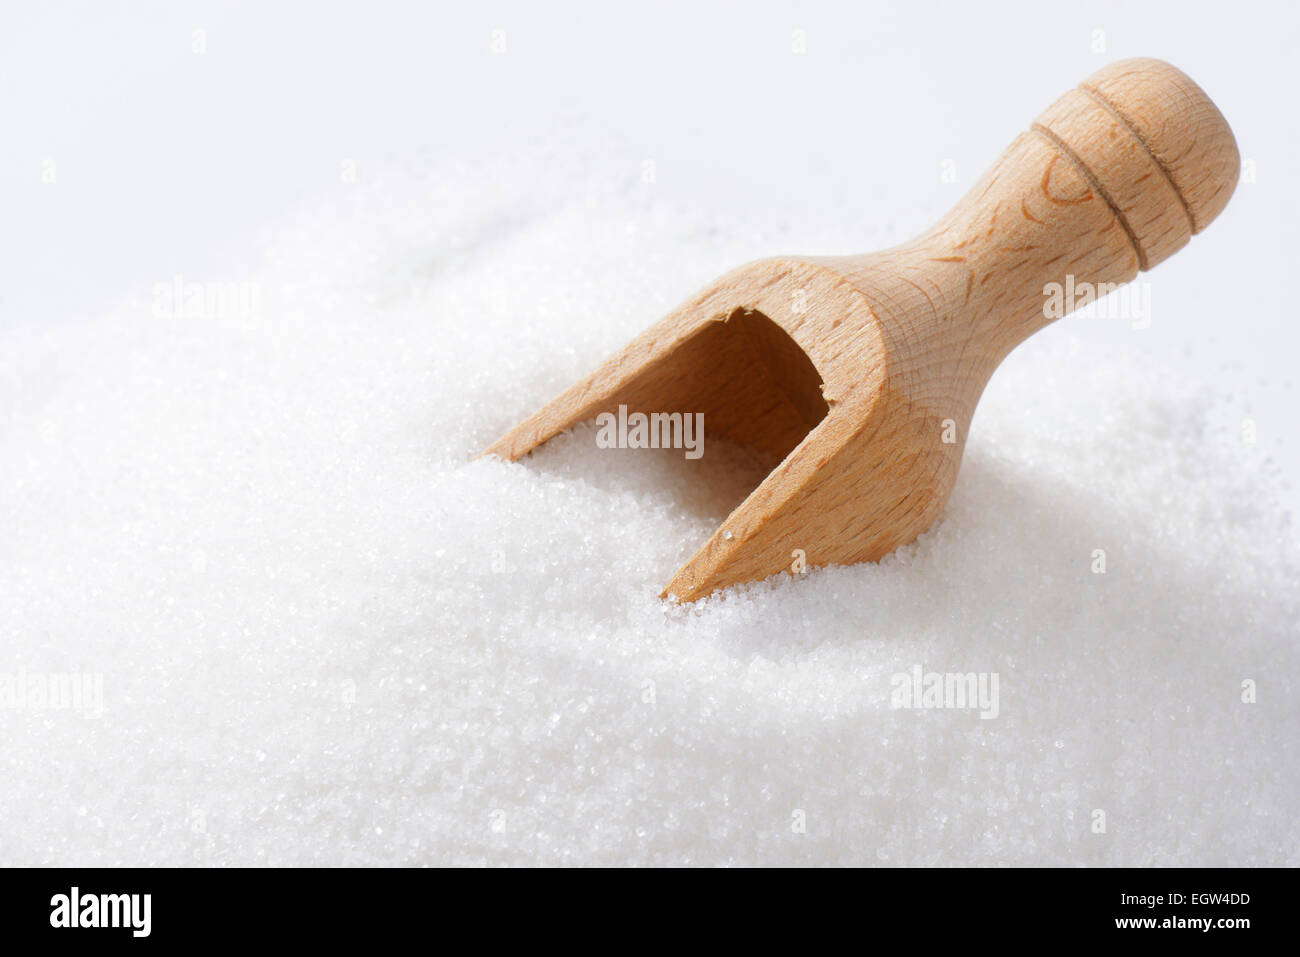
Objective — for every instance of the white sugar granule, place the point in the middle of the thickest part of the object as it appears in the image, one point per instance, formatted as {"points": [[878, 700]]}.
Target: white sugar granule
{"points": [[328, 637]]}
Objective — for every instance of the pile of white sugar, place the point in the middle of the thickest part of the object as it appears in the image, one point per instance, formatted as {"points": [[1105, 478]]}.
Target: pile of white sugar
{"points": [[305, 628]]}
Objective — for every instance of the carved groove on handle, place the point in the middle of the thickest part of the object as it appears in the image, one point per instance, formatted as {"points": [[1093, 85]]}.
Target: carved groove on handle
{"points": [[1116, 112], [1095, 183]]}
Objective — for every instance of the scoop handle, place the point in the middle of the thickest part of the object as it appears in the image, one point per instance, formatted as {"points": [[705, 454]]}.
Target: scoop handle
{"points": [[1113, 178]]}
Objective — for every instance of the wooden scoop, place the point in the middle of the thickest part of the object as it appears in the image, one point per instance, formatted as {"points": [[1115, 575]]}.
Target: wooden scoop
{"points": [[861, 373]]}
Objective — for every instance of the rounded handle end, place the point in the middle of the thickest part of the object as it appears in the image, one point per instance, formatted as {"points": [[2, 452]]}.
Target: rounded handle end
{"points": [[1154, 146], [1181, 127]]}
